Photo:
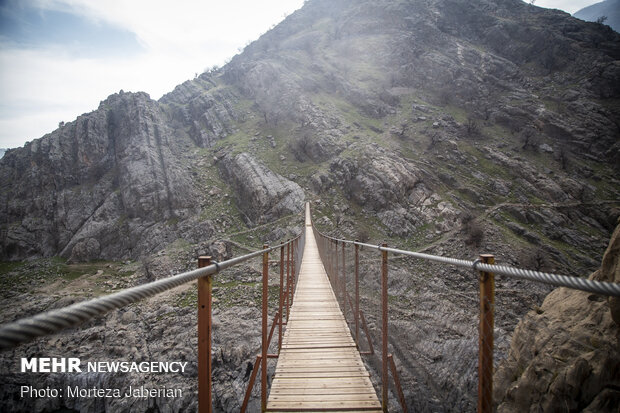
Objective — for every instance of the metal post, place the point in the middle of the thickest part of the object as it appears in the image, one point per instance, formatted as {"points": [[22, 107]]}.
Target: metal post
{"points": [[265, 344], [384, 329], [344, 286], [357, 294], [288, 278], [399, 389], [331, 260], [293, 251], [337, 281], [248, 391], [328, 245], [281, 303], [205, 287], [485, 344]]}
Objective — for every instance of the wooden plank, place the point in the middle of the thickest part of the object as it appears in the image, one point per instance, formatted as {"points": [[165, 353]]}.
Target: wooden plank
{"points": [[333, 362], [348, 397], [327, 382], [321, 372], [320, 369], [317, 404]]}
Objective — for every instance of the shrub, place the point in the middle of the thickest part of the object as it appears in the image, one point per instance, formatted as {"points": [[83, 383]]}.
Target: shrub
{"points": [[474, 233]]}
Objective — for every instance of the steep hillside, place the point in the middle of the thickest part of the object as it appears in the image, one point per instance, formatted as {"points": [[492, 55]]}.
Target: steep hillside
{"points": [[450, 126]]}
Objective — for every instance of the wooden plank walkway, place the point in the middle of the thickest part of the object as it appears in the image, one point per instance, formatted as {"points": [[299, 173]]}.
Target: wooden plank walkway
{"points": [[319, 368]]}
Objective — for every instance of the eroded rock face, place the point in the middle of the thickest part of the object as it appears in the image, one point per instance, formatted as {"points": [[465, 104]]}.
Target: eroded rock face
{"points": [[262, 195], [564, 356], [113, 171], [610, 272], [207, 115], [375, 180]]}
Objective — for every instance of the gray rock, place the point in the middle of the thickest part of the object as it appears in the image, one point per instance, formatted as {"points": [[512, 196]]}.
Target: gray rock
{"points": [[545, 148], [261, 194], [85, 250], [114, 170], [568, 343]]}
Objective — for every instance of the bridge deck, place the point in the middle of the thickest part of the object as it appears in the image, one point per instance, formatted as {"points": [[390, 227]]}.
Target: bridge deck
{"points": [[319, 368]]}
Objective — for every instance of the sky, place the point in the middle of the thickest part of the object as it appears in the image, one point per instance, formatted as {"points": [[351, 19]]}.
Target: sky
{"points": [[61, 58], [569, 6]]}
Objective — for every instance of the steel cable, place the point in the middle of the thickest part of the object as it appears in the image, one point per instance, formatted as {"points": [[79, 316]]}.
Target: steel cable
{"points": [[577, 283], [27, 329]]}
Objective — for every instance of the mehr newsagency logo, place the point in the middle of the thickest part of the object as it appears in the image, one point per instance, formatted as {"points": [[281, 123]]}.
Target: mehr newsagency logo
{"points": [[75, 365]]}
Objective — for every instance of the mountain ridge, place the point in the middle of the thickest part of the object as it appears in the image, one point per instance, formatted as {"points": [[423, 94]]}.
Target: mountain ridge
{"points": [[371, 74], [608, 11]]}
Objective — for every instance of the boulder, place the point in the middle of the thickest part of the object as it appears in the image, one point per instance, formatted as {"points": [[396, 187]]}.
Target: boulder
{"points": [[564, 355], [261, 194]]}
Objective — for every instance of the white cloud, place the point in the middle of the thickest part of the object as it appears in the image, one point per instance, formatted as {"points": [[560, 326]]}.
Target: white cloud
{"points": [[45, 87], [40, 87], [184, 26]]}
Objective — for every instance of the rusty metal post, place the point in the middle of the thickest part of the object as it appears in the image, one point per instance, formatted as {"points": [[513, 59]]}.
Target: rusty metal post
{"points": [[331, 260], [485, 344], [293, 281], [205, 287], [344, 286], [399, 389], [328, 245], [276, 320], [371, 349], [281, 301], [248, 391], [265, 344], [357, 294], [336, 277], [384, 329], [288, 278]]}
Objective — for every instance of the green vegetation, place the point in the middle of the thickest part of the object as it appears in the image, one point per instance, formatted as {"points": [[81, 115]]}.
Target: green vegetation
{"points": [[28, 276]]}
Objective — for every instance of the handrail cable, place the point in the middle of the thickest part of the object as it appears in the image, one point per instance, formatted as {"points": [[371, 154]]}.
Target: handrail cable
{"points": [[50, 322], [577, 283]]}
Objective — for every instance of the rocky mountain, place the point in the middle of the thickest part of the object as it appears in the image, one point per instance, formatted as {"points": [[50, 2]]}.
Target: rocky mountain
{"points": [[472, 107], [606, 12], [449, 126], [2, 151]]}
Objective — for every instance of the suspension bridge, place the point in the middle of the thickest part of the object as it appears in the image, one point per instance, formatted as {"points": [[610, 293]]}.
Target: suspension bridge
{"points": [[319, 366], [319, 362]]}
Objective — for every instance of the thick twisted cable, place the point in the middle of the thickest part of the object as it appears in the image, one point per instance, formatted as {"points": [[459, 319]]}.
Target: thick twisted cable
{"points": [[577, 283], [27, 329], [53, 321]]}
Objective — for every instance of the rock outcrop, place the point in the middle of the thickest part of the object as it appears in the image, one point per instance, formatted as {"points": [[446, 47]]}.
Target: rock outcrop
{"points": [[610, 272], [564, 356], [262, 195], [103, 186]]}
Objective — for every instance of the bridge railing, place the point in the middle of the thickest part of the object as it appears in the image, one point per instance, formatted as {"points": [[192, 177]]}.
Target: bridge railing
{"points": [[332, 252], [27, 329]]}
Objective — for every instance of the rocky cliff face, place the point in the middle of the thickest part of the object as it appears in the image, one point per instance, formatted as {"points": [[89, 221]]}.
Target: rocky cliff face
{"points": [[103, 186], [444, 126], [564, 356], [263, 196]]}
